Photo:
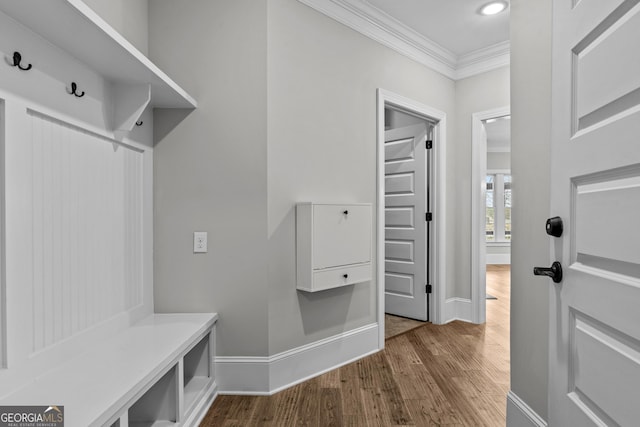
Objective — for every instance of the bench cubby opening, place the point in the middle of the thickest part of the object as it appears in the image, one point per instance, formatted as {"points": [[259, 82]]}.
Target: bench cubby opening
{"points": [[197, 371], [159, 405]]}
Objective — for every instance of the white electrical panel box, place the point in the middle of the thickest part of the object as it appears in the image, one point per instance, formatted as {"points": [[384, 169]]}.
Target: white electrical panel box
{"points": [[333, 245]]}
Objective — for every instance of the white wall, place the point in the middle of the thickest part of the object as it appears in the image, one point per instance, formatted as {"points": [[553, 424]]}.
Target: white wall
{"points": [[128, 17], [501, 161], [483, 92], [223, 170], [530, 135], [498, 254], [322, 81], [211, 170], [3, 293], [287, 113], [323, 78]]}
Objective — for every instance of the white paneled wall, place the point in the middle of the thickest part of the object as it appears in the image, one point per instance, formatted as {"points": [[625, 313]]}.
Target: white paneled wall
{"points": [[3, 293], [87, 229]]}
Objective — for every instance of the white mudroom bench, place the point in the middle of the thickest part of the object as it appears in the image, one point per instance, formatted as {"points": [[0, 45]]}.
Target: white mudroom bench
{"points": [[157, 372]]}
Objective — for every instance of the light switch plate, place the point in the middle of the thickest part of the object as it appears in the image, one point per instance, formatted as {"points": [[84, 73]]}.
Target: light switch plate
{"points": [[199, 242]]}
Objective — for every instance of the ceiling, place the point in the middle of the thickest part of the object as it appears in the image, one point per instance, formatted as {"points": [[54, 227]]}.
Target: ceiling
{"points": [[448, 36], [455, 25]]}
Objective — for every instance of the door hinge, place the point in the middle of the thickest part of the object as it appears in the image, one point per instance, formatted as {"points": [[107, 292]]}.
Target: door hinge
{"points": [[429, 144], [428, 216], [428, 289]]}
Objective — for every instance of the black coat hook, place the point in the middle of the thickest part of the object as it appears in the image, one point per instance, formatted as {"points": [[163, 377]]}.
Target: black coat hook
{"points": [[74, 90], [17, 59], [139, 123]]}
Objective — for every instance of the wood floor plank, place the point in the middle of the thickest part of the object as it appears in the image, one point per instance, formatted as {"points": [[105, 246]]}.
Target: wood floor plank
{"points": [[263, 415], [331, 407], [434, 407], [352, 407], [368, 371], [241, 408], [424, 414], [286, 404], [308, 407], [393, 399], [375, 411], [330, 379], [434, 375], [402, 355], [353, 421], [217, 417]]}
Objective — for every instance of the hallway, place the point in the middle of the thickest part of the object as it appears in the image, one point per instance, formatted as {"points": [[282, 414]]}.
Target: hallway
{"points": [[456, 374]]}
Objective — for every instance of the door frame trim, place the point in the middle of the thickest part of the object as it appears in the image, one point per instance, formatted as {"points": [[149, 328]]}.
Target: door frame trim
{"points": [[478, 249], [438, 193]]}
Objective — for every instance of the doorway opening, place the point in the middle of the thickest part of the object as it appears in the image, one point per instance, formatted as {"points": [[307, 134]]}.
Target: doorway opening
{"points": [[408, 159], [491, 201], [410, 210]]}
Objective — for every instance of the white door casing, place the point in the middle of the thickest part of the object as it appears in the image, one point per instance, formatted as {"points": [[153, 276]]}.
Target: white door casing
{"points": [[387, 99], [478, 211], [406, 172], [594, 364]]}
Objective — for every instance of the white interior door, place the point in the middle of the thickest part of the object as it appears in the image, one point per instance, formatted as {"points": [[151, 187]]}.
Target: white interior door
{"points": [[595, 175], [405, 225]]}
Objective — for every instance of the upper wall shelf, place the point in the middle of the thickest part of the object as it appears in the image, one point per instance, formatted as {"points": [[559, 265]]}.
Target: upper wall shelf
{"points": [[76, 28]]}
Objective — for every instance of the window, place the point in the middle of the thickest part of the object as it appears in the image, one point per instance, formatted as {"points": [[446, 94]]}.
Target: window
{"points": [[498, 208]]}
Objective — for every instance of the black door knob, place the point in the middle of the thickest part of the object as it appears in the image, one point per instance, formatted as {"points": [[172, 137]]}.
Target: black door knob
{"points": [[555, 272], [554, 226]]}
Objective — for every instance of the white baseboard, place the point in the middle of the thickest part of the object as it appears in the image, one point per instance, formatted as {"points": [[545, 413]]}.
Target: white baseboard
{"points": [[457, 309], [297, 365], [498, 258], [268, 375], [243, 375], [519, 414]]}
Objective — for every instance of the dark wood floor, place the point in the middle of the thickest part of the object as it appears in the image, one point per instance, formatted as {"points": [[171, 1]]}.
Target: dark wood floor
{"points": [[454, 375]]}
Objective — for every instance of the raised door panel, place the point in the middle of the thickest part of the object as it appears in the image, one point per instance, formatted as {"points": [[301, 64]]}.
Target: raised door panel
{"points": [[606, 80]]}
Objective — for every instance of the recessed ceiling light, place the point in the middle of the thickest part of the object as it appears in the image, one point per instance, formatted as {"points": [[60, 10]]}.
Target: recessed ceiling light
{"points": [[493, 8]]}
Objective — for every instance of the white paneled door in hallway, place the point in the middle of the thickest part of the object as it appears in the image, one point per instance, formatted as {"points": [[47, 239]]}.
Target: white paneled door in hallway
{"points": [[406, 228], [595, 176]]}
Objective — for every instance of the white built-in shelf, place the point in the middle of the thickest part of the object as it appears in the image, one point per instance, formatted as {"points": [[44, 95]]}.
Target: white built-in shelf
{"points": [[197, 372], [194, 389], [74, 27]]}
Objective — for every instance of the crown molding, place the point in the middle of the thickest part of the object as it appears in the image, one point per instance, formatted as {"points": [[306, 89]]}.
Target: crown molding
{"points": [[483, 60], [370, 21]]}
